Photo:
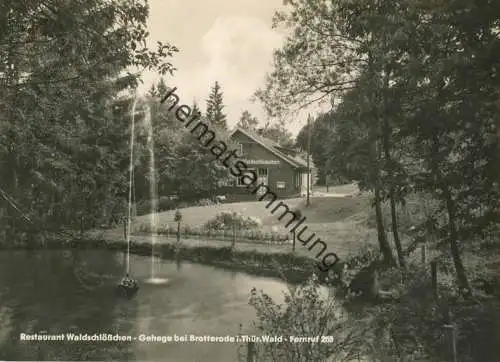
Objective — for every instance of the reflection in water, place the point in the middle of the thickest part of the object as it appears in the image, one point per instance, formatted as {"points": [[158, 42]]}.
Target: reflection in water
{"points": [[42, 293], [178, 264], [156, 281], [64, 292]]}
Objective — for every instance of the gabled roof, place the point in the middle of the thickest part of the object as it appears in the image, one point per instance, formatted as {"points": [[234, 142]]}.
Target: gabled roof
{"points": [[272, 147]]}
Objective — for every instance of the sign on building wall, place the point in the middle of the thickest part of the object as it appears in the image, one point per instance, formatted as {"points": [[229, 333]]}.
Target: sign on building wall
{"points": [[261, 162]]}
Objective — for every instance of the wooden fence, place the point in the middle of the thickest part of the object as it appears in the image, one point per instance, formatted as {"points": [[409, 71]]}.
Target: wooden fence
{"points": [[252, 236]]}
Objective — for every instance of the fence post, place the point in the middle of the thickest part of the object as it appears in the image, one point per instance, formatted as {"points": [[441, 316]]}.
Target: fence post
{"points": [[297, 215], [434, 278], [178, 231], [234, 237], [178, 262], [250, 352], [451, 335]]}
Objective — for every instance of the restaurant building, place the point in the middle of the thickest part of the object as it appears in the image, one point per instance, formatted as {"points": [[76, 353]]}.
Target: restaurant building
{"points": [[281, 169]]}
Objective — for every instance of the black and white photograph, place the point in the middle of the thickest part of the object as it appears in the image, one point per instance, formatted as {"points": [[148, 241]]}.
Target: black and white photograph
{"points": [[250, 180]]}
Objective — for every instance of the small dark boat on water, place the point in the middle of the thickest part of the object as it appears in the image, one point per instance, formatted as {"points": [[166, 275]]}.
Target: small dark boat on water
{"points": [[128, 287]]}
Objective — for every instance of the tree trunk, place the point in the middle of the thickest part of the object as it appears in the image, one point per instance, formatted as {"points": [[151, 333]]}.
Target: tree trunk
{"points": [[384, 245], [392, 196], [498, 155], [374, 137], [395, 231], [386, 144], [462, 280]]}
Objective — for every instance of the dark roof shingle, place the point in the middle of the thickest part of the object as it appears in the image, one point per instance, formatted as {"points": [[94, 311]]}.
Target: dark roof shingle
{"points": [[273, 147]]}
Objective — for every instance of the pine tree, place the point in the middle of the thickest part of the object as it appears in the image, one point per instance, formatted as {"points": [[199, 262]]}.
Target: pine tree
{"points": [[194, 108], [162, 87], [215, 107], [153, 91]]}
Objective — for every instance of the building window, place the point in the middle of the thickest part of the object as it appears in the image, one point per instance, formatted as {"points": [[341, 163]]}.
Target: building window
{"points": [[262, 178], [227, 183], [280, 185], [240, 182], [239, 149]]}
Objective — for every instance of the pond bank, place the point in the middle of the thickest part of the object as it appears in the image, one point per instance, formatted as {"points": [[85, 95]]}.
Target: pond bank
{"points": [[282, 265]]}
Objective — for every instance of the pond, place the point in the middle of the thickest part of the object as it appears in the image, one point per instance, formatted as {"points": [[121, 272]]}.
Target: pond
{"points": [[61, 291]]}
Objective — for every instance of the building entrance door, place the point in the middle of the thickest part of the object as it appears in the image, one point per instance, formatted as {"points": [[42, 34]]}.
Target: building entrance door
{"points": [[262, 178]]}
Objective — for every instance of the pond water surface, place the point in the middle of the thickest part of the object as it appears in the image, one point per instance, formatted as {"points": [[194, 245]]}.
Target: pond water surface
{"points": [[73, 292]]}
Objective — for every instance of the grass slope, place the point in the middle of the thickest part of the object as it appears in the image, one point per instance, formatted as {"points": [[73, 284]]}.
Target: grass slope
{"points": [[340, 221]]}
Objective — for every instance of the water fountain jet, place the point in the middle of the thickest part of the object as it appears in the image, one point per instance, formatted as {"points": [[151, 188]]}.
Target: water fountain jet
{"points": [[153, 189]]}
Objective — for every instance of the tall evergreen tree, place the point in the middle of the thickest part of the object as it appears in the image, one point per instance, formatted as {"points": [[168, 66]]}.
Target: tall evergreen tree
{"points": [[215, 107], [195, 108], [162, 87], [153, 91]]}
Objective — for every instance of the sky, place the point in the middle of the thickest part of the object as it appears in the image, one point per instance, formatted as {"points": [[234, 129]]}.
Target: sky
{"points": [[230, 41]]}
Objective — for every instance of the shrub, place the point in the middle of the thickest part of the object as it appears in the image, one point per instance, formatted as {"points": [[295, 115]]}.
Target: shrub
{"points": [[166, 203], [305, 305], [184, 204], [205, 202], [143, 207], [228, 220]]}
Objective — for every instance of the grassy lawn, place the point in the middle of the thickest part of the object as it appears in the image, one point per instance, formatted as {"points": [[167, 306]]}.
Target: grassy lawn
{"points": [[199, 215], [323, 209], [339, 221], [339, 190]]}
